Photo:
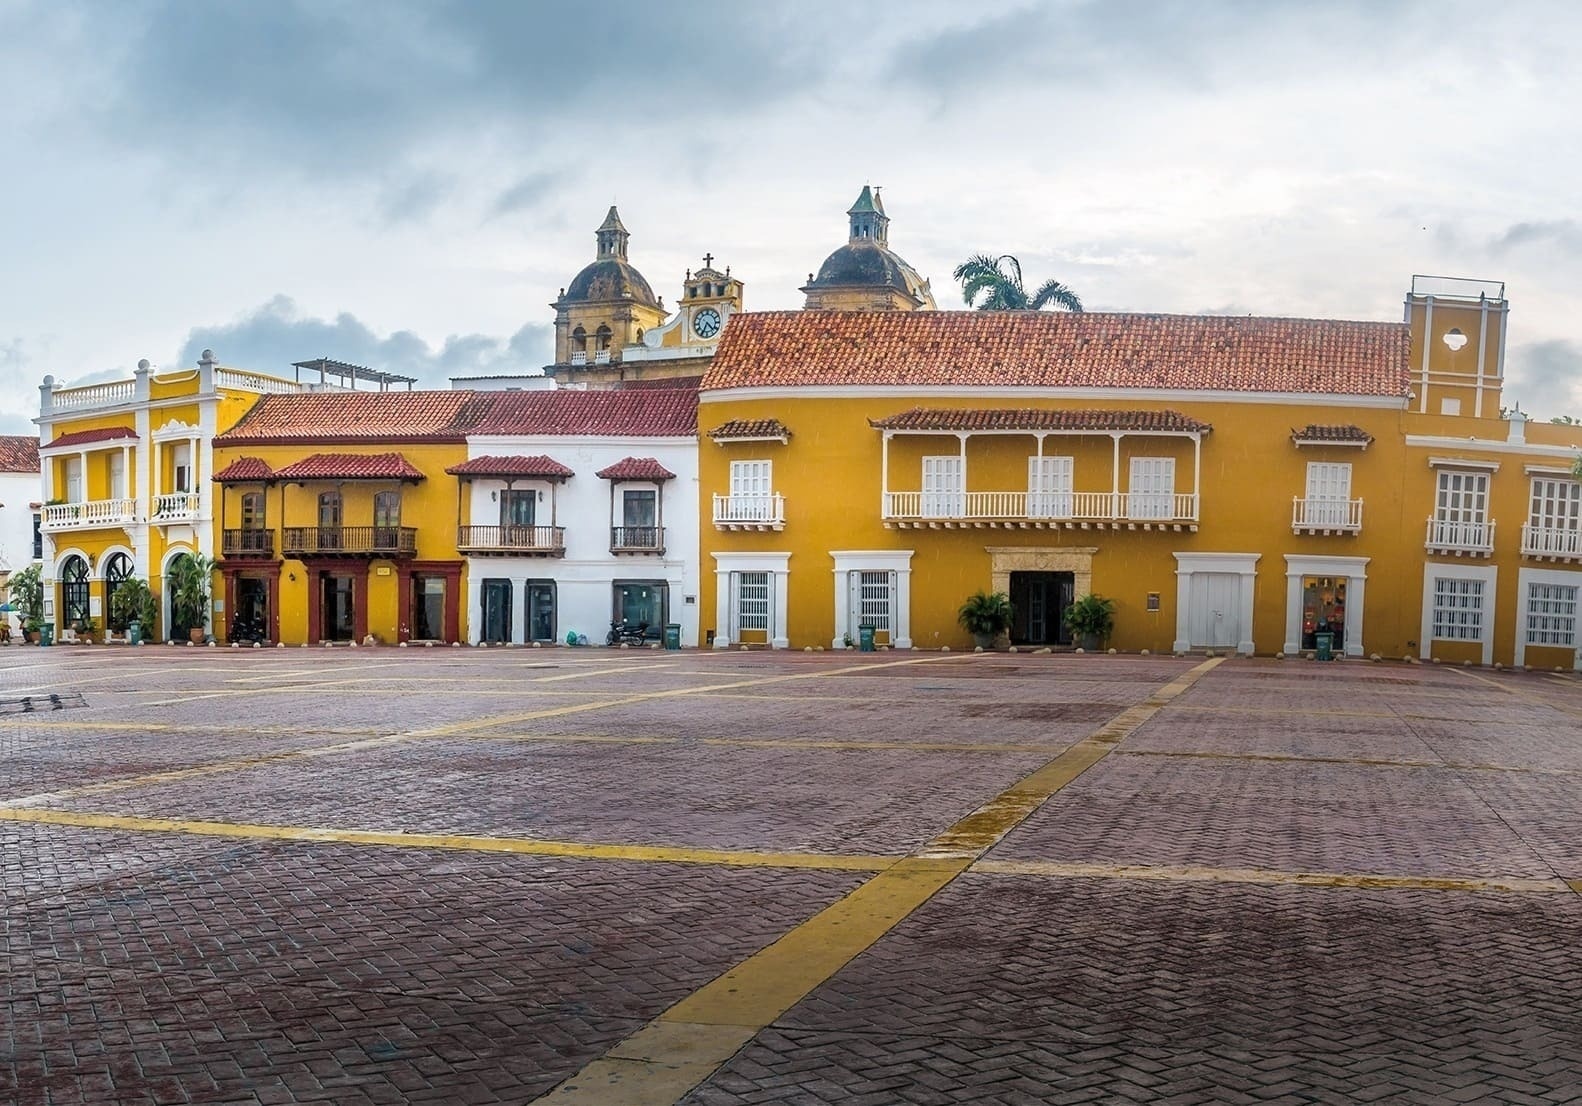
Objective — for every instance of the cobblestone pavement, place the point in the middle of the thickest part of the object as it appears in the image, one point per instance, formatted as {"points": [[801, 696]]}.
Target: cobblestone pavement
{"points": [[631, 877]]}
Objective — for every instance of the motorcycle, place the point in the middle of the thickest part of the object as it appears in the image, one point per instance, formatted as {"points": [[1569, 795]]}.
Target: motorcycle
{"points": [[626, 633], [244, 629]]}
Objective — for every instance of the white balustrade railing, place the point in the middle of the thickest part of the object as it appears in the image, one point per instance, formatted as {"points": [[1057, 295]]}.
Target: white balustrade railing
{"points": [[579, 357], [1552, 541], [760, 509], [177, 507], [94, 512], [601, 357], [242, 380], [1032, 506], [1326, 514], [93, 395], [1463, 536]]}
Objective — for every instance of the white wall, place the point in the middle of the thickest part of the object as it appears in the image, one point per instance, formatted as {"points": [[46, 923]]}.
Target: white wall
{"points": [[584, 577], [17, 490]]}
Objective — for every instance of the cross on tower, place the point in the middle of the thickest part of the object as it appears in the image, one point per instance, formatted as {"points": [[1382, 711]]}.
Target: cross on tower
{"points": [[708, 260]]}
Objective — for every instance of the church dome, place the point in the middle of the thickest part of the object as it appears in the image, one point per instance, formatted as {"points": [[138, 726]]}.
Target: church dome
{"points": [[866, 264], [609, 279]]}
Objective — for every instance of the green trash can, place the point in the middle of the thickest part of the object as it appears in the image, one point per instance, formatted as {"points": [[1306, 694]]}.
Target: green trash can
{"points": [[46, 634], [865, 639], [1324, 644], [672, 635], [134, 633]]}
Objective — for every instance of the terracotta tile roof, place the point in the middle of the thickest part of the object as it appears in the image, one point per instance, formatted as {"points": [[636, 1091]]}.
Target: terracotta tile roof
{"points": [[636, 468], [737, 429], [83, 437], [923, 418], [19, 453], [347, 417], [640, 412], [1347, 435], [350, 466], [683, 382], [244, 470], [540, 466], [1058, 349]]}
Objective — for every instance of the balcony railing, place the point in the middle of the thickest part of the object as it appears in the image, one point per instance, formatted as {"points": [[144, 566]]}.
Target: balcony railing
{"points": [[601, 357], [530, 541], [1075, 509], [178, 507], [1462, 539], [247, 543], [1326, 516], [750, 512], [93, 514], [579, 357], [1556, 543], [349, 541], [94, 395], [637, 539]]}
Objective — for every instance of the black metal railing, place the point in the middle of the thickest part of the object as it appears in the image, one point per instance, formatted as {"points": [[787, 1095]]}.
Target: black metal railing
{"points": [[247, 543], [349, 541], [549, 540], [637, 539]]}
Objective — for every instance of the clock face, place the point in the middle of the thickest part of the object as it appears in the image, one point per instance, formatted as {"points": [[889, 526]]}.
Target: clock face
{"points": [[706, 323]]}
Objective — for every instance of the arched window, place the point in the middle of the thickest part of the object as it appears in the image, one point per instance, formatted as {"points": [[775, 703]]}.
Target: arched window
{"points": [[74, 590], [117, 571], [579, 339], [603, 335]]}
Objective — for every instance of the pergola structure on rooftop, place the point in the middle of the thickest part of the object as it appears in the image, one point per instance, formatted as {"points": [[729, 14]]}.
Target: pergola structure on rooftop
{"points": [[348, 374]]}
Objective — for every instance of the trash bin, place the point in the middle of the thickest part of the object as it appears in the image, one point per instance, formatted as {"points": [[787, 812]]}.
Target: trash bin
{"points": [[865, 639], [1324, 644], [134, 633], [46, 634], [672, 635]]}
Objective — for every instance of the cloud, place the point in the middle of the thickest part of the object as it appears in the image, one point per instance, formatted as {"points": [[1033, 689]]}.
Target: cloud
{"points": [[270, 338], [1563, 233], [1546, 378], [414, 198], [528, 192]]}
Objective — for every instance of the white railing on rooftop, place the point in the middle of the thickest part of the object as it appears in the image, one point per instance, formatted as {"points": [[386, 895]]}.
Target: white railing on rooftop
{"points": [[1457, 288], [244, 380], [1052, 506], [84, 516], [93, 395]]}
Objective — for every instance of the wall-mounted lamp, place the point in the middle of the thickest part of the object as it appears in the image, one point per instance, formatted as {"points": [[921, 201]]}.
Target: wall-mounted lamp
{"points": [[292, 576]]}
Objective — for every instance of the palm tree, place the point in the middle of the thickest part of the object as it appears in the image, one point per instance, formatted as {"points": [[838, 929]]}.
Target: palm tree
{"points": [[1004, 286]]}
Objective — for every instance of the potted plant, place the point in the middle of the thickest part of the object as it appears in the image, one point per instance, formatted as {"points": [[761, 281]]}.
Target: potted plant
{"points": [[1091, 619], [189, 582], [987, 617], [85, 628], [132, 608], [27, 591]]}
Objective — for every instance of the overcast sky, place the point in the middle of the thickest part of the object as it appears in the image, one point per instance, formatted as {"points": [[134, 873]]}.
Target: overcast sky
{"points": [[407, 185]]}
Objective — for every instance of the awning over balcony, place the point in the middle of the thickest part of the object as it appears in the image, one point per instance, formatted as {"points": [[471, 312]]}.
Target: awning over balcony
{"points": [[751, 430], [1313, 434], [349, 466], [928, 420], [516, 467], [245, 470], [89, 437], [636, 468]]}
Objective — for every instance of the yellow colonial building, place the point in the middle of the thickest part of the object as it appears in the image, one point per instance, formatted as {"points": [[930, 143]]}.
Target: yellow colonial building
{"points": [[1236, 484]]}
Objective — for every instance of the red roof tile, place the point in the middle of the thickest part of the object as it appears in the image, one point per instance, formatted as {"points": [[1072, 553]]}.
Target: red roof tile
{"points": [[539, 466], [922, 418], [1059, 349], [738, 429], [636, 468], [102, 434], [346, 417], [19, 453], [350, 466], [244, 470], [682, 382], [1345, 435], [641, 412]]}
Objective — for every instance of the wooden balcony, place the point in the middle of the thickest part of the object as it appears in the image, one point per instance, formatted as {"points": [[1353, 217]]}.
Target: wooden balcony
{"points": [[1040, 510], [750, 512], [514, 541], [247, 543], [1552, 543], [1460, 539], [1326, 516], [637, 539], [91, 515], [349, 541]]}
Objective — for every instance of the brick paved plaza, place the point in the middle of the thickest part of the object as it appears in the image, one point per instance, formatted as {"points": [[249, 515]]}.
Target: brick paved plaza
{"points": [[629, 877]]}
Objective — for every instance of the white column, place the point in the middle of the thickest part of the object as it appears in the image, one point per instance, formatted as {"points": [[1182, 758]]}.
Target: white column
{"points": [[1293, 609], [1115, 477], [903, 605], [884, 476], [722, 606], [782, 580], [1428, 326], [82, 476]]}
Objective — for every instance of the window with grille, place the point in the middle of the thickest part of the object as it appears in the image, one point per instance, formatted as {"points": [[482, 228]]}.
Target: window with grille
{"points": [[752, 601], [1551, 614], [1458, 609], [875, 591]]}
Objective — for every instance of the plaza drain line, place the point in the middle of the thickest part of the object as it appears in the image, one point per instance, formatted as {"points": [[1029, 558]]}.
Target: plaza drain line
{"points": [[35, 704]]}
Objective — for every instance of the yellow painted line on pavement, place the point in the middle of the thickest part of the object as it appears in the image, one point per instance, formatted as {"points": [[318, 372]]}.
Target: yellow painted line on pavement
{"points": [[769, 742], [1286, 711], [1266, 876], [1366, 762], [1519, 692], [663, 1061], [527, 846]]}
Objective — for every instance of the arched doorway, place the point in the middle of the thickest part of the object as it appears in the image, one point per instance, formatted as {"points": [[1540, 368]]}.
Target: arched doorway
{"points": [[117, 571], [74, 591]]}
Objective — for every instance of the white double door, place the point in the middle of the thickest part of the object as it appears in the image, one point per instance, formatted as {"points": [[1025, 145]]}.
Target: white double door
{"points": [[1214, 614]]}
